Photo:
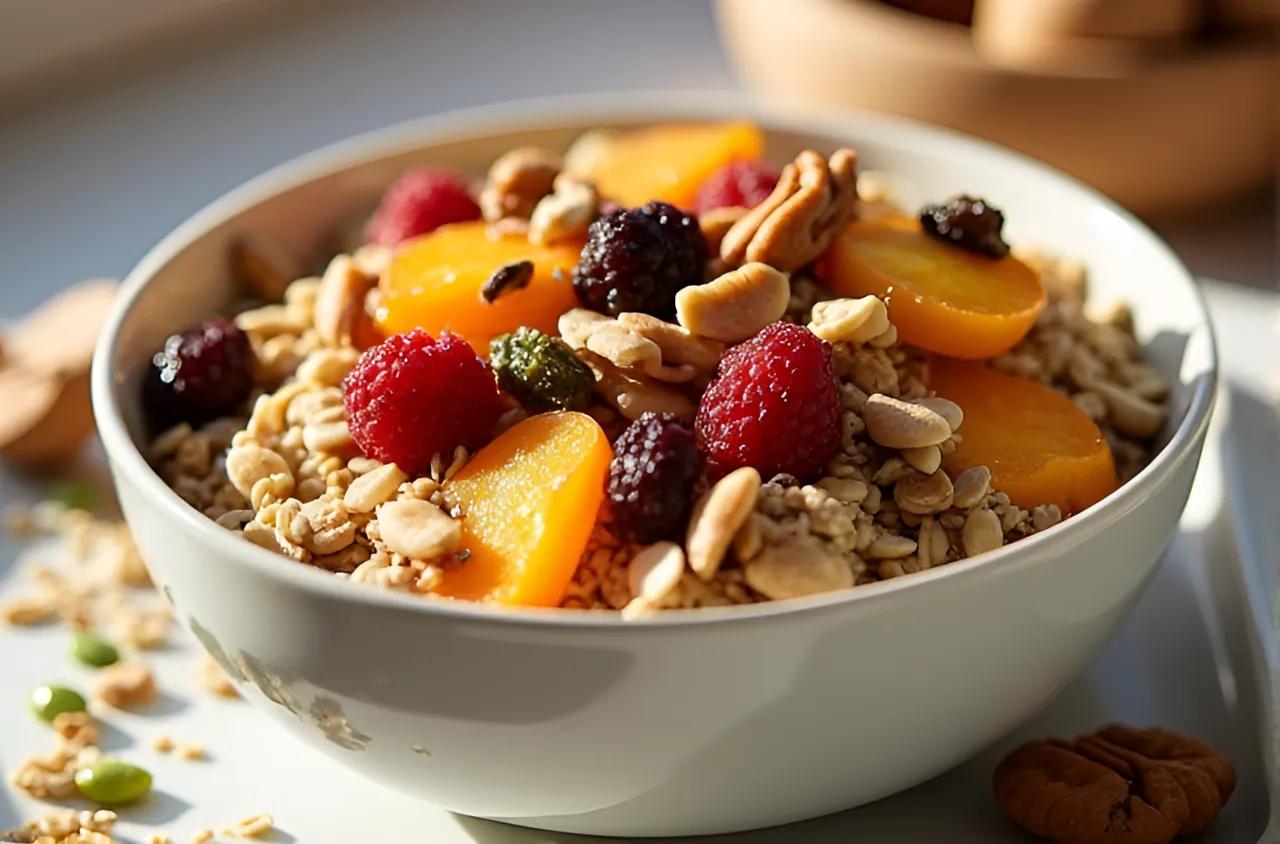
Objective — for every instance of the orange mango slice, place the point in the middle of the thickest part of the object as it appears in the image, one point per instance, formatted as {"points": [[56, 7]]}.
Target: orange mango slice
{"points": [[668, 162], [529, 501], [940, 297], [434, 283], [1040, 447]]}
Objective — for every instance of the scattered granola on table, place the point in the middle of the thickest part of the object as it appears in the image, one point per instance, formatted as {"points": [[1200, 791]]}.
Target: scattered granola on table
{"points": [[573, 391], [86, 575]]}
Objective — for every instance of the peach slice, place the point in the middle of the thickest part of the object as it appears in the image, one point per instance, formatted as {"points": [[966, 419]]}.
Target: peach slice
{"points": [[434, 283], [1040, 447], [529, 501], [668, 162], [940, 297]]}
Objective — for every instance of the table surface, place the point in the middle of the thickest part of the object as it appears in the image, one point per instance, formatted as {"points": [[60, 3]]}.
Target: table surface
{"points": [[1182, 659], [98, 167], [94, 172]]}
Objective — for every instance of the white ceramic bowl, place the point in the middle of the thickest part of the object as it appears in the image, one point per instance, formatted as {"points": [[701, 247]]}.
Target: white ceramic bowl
{"points": [[699, 721]]}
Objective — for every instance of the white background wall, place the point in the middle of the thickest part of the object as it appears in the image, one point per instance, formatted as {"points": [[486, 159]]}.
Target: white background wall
{"points": [[99, 161]]}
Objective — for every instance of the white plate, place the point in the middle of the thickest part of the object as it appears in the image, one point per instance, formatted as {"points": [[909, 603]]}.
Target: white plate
{"points": [[1188, 658]]}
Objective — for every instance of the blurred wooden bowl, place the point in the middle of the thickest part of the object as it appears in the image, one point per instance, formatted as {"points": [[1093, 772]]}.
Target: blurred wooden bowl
{"points": [[1158, 132]]}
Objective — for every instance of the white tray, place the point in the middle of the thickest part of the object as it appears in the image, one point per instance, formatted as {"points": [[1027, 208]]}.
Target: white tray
{"points": [[1198, 654]]}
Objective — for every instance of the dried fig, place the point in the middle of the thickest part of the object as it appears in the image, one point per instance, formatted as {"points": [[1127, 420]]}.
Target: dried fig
{"points": [[1120, 785]]}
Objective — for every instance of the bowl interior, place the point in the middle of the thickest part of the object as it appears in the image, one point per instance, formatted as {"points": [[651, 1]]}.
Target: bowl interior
{"points": [[300, 205]]}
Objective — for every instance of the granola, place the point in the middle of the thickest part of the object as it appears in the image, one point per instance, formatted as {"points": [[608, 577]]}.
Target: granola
{"points": [[291, 470]]}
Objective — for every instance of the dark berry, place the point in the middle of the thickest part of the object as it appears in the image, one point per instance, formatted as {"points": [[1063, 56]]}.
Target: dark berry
{"points": [[419, 202], [773, 404], [651, 478], [202, 373], [637, 260], [412, 397], [967, 222], [739, 183], [541, 371]]}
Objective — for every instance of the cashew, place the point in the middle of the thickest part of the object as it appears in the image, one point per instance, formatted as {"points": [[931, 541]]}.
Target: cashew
{"points": [[339, 308], [926, 459], [982, 532], [655, 571], [924, 494], [577, 324], [736, 305], [890, 546], [717, 516], [801, 566], [270, 320], [417, 529], [633, 396], [945, 408], [679, 347], [566, 213], [970, 487], [250, 463], [620, 345], [327, 367], [850, 320], [894, 423], [328, 437], [373, 488]]}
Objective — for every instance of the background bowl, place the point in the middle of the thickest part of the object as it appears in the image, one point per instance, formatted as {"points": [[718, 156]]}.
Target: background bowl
{"points": [[695, 722], [1206, 112]]}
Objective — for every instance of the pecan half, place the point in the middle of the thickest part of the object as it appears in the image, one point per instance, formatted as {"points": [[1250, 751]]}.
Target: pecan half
{"points": [[815, 199], [1120, 785]]}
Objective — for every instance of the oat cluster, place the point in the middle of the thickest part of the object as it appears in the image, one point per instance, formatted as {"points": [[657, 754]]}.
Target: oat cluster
{"points": [[86, 574], [283, 475]]}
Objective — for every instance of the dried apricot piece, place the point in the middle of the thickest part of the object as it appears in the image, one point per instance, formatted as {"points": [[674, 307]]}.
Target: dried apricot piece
{"points": [[1040, 447], [435, 282], [668, 162], [529, 501], [940, 297]]}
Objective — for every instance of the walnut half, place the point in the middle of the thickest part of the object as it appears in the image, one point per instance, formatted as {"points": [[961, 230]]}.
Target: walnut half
{"points": [[815, 198], [1120, 785]]}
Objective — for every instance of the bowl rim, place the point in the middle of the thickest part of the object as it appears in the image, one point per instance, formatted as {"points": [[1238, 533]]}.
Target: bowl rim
{"points": [[128, 461]]}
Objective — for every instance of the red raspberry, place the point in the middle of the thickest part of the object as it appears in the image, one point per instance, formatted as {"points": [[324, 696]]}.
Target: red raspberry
{"points": [[412, 397], [773, 404], [421, 201], [744, 183]]}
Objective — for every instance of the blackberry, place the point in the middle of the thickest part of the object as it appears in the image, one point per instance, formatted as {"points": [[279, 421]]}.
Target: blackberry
{"points": [[636, 260], [201, 373], [541, 371], [967, 222], [651, 478]]}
